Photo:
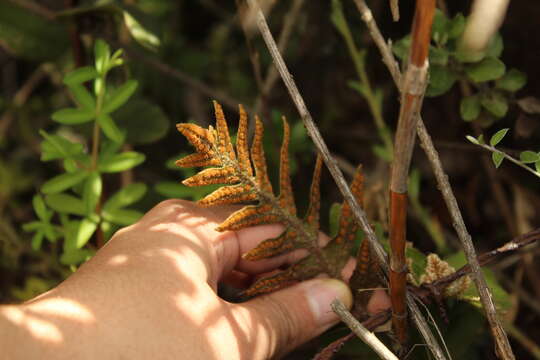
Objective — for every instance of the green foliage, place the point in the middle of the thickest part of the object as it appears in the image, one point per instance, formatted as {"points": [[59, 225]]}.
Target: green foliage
{"points": [[494, 85], [525, 157], [75, 196]]}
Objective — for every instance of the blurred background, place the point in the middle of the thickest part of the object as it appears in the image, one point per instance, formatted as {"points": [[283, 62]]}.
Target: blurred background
{"points": [[184, 54]]}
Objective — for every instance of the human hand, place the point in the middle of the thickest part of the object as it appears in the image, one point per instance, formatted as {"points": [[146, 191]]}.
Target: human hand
{"points": [[150, 292]]}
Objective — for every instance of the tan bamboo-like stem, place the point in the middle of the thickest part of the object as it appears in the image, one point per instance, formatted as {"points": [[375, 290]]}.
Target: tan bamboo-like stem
{"points": [[414, 84], [497, 329]]}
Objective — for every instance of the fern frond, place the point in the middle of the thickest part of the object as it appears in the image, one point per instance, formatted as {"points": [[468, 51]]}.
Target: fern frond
{"points": [[244, 174]]}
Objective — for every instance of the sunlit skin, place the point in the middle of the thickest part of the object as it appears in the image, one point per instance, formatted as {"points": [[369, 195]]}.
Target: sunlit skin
{"points": [[150, 293]]}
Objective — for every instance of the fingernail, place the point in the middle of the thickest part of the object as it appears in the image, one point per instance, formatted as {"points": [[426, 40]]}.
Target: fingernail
{"points": [[320, 294]]}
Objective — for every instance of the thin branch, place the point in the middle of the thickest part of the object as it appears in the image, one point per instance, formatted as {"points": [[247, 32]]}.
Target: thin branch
{"points": [[509, 158], [272, 76], [364, 334], [444, 185], [336, 172]]}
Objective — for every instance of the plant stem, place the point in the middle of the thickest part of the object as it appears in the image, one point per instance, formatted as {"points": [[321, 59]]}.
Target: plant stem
{"points": [[510, 158], [414, 85], [368, 93], [444, 185], [97, 133], [367, 336]]}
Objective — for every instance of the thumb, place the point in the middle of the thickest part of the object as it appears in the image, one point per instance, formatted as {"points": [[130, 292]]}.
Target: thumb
{"points": [[280, 321]]}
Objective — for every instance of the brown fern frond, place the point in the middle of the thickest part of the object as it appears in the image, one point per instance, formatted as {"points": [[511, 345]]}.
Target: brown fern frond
{"points": [[201, 139], [242, 148], [273, 247], [224, 175], [249, 216], [286, 197], [244, 172], [312, 215], [229, 195], [225, 145], [197, 160], [259, 161]]}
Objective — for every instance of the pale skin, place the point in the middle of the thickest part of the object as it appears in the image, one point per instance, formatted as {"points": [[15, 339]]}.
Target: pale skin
{"points": [[150, 293]]}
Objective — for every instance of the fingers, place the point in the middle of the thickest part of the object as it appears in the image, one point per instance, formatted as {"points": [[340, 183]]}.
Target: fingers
{"points": [[282, 320]]}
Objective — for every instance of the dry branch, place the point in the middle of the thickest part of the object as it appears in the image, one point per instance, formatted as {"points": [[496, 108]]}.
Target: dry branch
{"points": [[367, 336]]}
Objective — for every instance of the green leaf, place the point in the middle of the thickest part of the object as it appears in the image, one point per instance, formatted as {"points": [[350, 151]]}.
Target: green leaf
{"points": [[529, 157], [438, 56], [456, 26], [441, 79], [134, 117], [537, 166], [481, 139], [29, 36], [414, 183], [497, 158], [488, 69], [85, 230], [58, 147], [122, 216], [76, 256], [498, 136], [80, 75], [470, 107], [71, 116], [401, 47], [32, 226], [440, 27], [92, 192], [37, 240], [62, 182], [496, 104], [126, 196], [110, 129], [102, 52], [65, 203], [83, 96], [513, 80], [382, 152], [472, 139], [500, 296], [40, 208], [119, 96], [496, 46], [121, 162], [142, 35]]}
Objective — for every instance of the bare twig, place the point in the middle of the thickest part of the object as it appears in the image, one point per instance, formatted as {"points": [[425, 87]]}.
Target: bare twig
{"points": [[336, 172], [367, 336], [394, 8], [272, 75], [444, 185], [412, 95], [508, 157]]}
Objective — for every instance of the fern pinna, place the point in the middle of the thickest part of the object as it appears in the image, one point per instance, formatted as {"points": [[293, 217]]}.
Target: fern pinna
{"points": [[244, 174]]}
